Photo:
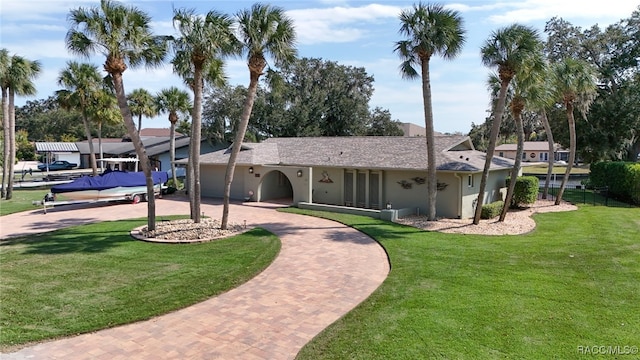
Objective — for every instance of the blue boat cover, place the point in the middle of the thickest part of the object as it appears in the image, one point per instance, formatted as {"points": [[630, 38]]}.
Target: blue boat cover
{"points": [[110, 180]]}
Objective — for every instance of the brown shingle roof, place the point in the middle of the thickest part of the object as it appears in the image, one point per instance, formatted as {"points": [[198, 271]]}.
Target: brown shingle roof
{"points": [[373, 152]]}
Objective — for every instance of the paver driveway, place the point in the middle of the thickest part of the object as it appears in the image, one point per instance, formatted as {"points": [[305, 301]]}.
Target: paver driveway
{"points": [[324, 269]]}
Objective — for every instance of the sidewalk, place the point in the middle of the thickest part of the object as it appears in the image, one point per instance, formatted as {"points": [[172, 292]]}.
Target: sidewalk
{"points": [[324, 270]]}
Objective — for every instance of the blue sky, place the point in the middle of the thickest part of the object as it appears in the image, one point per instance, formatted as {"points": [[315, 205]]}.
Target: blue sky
{"points": [[358, 33]]}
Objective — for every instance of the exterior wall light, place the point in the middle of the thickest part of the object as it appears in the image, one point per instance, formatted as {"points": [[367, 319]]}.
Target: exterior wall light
{"points": [[299, 173], [251, 170]]}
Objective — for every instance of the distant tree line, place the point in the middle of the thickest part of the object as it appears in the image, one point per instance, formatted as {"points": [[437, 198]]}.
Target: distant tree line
{"points": [[308, 97], [328, 100]]}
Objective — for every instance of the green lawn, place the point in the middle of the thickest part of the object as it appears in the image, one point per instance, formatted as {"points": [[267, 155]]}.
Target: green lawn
{"points": [[574, 281], [21, 201], [560, 170], [96, 276]]}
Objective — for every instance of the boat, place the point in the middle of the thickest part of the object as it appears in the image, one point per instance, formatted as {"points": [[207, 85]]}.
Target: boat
{"points": [[111, 185]]}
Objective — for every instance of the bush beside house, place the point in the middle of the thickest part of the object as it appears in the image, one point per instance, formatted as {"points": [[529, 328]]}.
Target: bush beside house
{"points": [[525, 191]]}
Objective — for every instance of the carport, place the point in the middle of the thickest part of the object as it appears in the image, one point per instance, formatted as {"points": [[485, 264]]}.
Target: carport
{"points": [[54, 151]]}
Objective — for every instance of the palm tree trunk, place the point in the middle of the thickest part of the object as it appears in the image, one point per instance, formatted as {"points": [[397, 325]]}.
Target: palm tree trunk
{"points": [[137, 144], [237, 144], [194, 149], [572, 152], [516, 167], [12, 144], [493, 139], [92, 152], [100, 146], [547, 130], [172, 153], [139, 122], [432, 179], [5, 141]]}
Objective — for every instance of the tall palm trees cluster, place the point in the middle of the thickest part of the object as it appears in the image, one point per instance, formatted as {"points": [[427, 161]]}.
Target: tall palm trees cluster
{"points": [[523, 78], [516, 52], [16, 78], [122, 34]]}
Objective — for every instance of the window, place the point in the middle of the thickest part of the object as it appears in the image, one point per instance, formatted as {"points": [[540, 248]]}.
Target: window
{"points": [[524, 156], [501, 154], [544, 156], [470, 180]]}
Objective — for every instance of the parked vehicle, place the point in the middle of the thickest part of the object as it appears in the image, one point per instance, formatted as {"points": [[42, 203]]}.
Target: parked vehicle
{"points": [[57, 165], [107, 187]]}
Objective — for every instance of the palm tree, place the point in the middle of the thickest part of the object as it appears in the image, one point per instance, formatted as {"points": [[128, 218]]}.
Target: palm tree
{"points": [[17, 79], [123, 35], [263, 30], [81, 83], [551, 158], [142, 103], [173, 101], [573, 84], [541, 103], [5, 63], [508, 49], [202, 41], [525, 94], [104, 110], [431, 30]]}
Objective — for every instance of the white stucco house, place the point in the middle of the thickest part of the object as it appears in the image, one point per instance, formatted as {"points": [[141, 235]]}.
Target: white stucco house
{"points": [[368, 173]]}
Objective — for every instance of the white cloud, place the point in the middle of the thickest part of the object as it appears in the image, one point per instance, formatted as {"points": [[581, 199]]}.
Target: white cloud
{"points": [[542, 10], [21, 10], [338, 24], [163, 27], [40, 49], [14, 30]]}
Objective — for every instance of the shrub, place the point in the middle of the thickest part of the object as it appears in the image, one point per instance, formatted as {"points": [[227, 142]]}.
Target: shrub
{"points": [[177, 186], [492, 210], [622, 179], [525, 191]]}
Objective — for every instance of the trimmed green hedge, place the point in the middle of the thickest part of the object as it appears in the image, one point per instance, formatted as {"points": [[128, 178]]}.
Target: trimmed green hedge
{"points": [[489, 211], [622, 179], [526, 190]]}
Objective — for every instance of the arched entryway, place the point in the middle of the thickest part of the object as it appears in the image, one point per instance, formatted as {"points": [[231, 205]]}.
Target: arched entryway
{"points": [[275, 187]]}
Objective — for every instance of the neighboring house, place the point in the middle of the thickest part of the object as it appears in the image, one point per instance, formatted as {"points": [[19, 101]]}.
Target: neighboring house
{"points": [[533, 151], [55, 151], [157, 148], [357, 172], [410, 129], [158, 132]]}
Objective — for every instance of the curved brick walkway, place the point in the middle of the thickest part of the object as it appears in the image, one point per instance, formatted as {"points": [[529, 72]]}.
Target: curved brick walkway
{"points": [[324, 269]]}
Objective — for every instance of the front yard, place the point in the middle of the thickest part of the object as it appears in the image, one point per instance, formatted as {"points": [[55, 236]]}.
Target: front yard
{"points": [[96, 276], [572, 283]]}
